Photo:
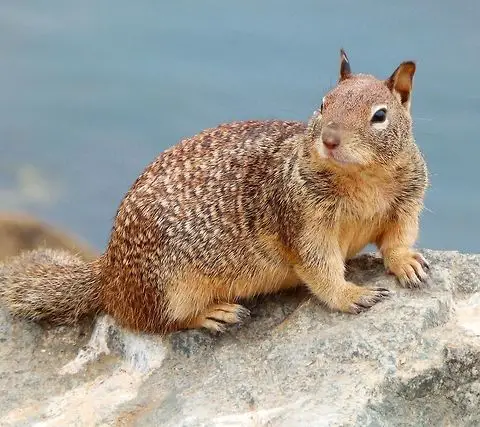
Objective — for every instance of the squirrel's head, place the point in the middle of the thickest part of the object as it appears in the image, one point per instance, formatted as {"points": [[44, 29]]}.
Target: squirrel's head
{"points": [[364, 120]]}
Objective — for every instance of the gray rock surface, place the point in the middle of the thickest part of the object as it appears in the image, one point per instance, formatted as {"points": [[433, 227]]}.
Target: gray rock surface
{"points": [[411, 360]]}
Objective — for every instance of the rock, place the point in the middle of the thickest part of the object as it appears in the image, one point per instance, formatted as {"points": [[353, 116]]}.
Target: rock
{"points": [[19, 232], [411, 360]]}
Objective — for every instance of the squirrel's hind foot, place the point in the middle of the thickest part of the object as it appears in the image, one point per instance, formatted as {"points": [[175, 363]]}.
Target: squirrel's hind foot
{"points": [[218, 316]]}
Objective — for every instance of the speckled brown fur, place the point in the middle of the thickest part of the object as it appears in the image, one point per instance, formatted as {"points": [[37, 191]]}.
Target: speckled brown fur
{"points": [[249, 208]]}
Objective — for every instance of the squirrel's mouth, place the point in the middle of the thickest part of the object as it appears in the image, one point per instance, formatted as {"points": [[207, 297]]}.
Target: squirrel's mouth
{"points": [[341, 155], [336, 155]]}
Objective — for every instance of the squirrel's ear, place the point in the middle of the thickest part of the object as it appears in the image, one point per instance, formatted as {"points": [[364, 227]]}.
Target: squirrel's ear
{"points": [[345, 71], [401, 82]]}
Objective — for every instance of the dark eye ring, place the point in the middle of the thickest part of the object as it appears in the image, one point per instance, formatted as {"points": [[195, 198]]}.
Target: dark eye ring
{"points": [[380, 116]]}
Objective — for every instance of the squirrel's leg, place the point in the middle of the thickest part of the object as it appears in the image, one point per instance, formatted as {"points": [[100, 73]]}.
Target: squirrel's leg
{"points": [[323, 271], [218, 316], [395, 244]]}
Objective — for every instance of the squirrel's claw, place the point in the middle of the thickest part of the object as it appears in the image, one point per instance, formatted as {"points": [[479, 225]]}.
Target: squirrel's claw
{"points": [[410, 270]]}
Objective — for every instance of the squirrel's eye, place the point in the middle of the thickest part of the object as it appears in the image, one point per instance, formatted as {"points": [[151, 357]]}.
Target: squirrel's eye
{"points": [[379, 116]]}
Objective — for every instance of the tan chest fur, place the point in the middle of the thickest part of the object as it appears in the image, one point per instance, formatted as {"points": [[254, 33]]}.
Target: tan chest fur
{"points": [[366, 200], [355, 235]]}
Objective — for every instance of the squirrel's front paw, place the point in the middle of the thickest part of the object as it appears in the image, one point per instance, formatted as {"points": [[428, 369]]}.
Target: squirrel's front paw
{"points": [[409, 268], [355, 299]]}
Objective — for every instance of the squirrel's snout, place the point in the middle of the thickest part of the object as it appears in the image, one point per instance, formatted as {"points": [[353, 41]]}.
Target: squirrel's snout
{"points": [[331, 136]]}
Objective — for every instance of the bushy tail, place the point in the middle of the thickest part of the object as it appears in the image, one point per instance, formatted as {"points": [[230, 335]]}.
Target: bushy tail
{"points": [[50, 285]]}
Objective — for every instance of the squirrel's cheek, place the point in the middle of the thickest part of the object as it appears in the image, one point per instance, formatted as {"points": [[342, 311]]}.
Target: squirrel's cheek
{"points": [[320, 148], [381, 125]]}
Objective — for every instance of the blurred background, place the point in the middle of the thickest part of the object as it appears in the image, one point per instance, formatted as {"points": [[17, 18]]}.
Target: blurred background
{"points": [[92, 91]]}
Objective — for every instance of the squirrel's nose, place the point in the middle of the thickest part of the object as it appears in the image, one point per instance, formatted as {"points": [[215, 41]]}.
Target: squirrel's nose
{"points": [[331, 142], [331, 137]]}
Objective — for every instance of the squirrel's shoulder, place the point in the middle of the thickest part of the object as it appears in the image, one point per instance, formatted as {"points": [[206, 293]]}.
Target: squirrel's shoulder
{"points": [[412, 180]]}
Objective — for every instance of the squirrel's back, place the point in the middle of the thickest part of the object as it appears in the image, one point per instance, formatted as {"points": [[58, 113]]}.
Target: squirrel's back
{"points": [[191, 218], [212, 189]]}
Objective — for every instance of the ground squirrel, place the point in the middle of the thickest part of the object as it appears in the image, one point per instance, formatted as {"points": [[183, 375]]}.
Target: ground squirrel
{"points": [[249, 208]]}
